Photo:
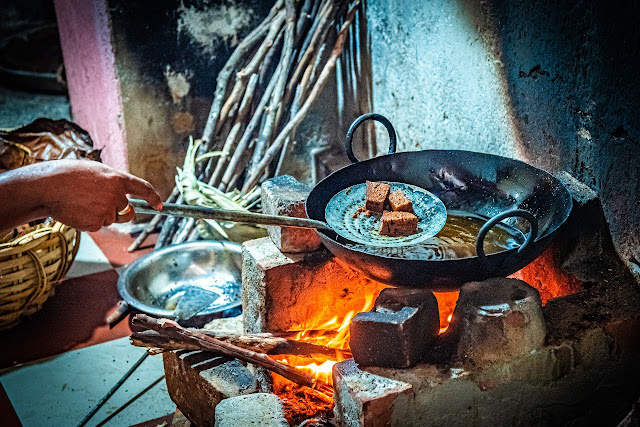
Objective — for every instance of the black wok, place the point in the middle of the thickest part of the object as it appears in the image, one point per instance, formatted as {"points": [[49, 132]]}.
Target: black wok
{"points": [[493, 187]]}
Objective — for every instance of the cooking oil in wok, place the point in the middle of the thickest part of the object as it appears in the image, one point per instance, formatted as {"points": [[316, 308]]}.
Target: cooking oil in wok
{"points": [[456, 240]]}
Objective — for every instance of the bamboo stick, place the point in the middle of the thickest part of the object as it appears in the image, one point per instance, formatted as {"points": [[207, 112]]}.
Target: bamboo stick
{"points": [[223, 76], [278, 91], [253, 180]]}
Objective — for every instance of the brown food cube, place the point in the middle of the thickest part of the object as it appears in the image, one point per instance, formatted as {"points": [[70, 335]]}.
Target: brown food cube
{"points": [[377, 193], [399, 202], [398, 224]]}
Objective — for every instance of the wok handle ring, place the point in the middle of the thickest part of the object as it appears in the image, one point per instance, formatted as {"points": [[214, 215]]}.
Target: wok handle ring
{"points": [[348, 143], [533, 232]]}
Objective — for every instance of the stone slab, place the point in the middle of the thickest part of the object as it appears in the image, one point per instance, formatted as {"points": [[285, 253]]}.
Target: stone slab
{"points": [[365, 399], [198, 381]]}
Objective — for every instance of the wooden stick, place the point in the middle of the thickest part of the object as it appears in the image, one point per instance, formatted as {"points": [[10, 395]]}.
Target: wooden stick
{"points": [[285, 148], [304, 18], [278, 91], [253, 180], [243, 75], [185, 227], [231, 138], [246, 137], [167, 228], [172, 330], [223, 76], [319, 8], [318, 28], [265, 69], [260, 343]]}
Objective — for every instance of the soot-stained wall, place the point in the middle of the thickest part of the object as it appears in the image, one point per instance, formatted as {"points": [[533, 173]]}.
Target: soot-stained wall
{"points": [[552, 83], [168, 55]]}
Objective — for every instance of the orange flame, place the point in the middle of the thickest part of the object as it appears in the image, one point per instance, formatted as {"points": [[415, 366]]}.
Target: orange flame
{"points": [[446, 305], [319, 367], [333, 334]]}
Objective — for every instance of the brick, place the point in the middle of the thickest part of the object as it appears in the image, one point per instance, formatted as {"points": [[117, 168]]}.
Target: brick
{"points": [[496, 320], [584, 245], [284, 195], [541, 387], [258, 409], [197, 381], [398, 331], [284, 292], [365, 399]]}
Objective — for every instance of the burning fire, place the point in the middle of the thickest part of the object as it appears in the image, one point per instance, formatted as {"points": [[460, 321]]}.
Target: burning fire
{"points": [[335, 334]]}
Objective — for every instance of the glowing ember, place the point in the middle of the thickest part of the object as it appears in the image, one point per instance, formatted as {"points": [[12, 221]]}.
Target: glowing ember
{"points": [[301, 403]]}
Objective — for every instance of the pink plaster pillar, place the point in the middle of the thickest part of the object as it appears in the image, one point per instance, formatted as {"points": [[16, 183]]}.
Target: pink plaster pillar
{"points": [[94, 88]]}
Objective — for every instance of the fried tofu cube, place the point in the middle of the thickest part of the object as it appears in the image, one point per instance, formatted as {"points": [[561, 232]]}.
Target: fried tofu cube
{"points": [[377, 194], [398, 224], [399, 202]]}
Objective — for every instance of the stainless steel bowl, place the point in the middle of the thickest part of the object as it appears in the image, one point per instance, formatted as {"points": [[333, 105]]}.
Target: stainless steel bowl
{"points": [[150, 283]]}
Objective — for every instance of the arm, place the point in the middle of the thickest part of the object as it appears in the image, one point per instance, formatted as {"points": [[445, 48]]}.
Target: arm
{"points": [[82, 194]]}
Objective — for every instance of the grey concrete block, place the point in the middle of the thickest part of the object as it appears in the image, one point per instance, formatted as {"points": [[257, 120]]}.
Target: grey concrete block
{"points": [[284, 195], [197, 381], [398, 331], [258, 409]]}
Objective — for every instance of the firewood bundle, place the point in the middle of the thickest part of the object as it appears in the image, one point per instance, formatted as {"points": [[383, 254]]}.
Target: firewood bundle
{"points": [[263, 92]]}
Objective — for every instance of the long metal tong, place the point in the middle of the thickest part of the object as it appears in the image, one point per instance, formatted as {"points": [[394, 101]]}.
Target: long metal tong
{"points": [[173, 209]]}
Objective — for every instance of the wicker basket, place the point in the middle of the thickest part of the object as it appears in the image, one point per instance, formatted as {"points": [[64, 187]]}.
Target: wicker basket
{"points": [[31, 264]]}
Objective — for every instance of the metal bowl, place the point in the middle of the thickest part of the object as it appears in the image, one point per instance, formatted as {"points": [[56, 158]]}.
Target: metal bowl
{"points": [[150, 283]]}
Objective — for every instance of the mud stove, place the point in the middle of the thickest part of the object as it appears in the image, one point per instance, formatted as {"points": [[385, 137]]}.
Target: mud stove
{"points": [[556, 343]]}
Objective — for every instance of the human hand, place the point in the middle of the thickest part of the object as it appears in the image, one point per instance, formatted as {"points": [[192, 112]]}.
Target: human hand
{"points": [[88, 195]]}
